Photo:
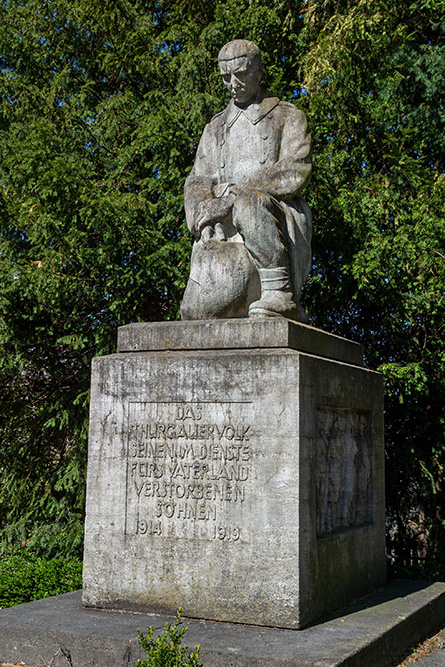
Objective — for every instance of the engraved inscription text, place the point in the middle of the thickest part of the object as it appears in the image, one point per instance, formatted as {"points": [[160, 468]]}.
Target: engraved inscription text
{"points": [[188, 470]]}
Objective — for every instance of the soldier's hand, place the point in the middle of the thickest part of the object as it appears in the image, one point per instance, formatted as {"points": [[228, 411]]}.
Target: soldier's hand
{"points": [[211, 211], [217, 232]]}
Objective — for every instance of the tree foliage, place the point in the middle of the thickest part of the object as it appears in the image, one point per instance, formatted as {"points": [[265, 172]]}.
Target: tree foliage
{"points": [[102, 107], [375, 77]]}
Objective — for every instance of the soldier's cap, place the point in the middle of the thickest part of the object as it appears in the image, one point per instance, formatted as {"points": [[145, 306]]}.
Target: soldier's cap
{"points": [[239, 48]]}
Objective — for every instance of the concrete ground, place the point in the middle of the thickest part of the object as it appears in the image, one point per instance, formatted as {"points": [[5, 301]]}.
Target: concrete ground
{"points": [[374, 632], [436, 659], [429, 653]]}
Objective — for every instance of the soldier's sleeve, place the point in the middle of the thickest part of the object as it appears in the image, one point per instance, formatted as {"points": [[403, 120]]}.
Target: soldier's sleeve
{"points": [[291, 173], [198, 185]]}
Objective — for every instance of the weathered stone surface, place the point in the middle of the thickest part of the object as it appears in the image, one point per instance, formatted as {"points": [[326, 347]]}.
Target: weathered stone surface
{"points": [[237, 334], [243, 201], [223, 282], [370, 633], [204, 484]]}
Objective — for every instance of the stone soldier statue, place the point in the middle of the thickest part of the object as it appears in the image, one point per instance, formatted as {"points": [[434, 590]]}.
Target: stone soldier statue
{"points": [[242, 201]]}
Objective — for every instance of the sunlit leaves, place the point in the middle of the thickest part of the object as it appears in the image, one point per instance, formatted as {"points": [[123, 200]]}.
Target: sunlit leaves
{"points": [[102, 106], [375, 76]]}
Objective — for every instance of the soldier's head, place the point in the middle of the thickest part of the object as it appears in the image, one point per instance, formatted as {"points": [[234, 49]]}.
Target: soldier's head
{"points": [[241, 70]]}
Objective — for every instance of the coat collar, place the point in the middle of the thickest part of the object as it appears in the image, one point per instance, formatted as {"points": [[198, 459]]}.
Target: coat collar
{"points": [[254, 112]]}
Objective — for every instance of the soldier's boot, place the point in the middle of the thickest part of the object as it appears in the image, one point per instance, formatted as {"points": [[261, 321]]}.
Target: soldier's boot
{"points": [[276, 297]]}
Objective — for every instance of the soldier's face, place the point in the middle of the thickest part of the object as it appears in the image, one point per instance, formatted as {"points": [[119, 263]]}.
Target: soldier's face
{"points": [[242, 79]]}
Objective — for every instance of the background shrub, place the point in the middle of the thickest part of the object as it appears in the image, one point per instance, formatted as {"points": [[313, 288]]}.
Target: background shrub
{"points": [[25, 577]]}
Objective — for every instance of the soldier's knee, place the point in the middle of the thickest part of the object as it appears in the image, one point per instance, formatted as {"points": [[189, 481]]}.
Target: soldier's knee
{"points": [[248, 208], [250, 199]]}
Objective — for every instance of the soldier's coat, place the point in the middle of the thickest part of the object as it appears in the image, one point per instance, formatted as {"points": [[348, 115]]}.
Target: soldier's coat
{"points": [[267, 147]]}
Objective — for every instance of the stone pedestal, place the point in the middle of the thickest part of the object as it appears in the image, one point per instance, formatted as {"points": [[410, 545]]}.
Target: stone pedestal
{"points": [[235, 470]]}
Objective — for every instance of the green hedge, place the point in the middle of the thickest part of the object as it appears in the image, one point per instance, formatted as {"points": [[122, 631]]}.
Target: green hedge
{"points": [[25, 577]]}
